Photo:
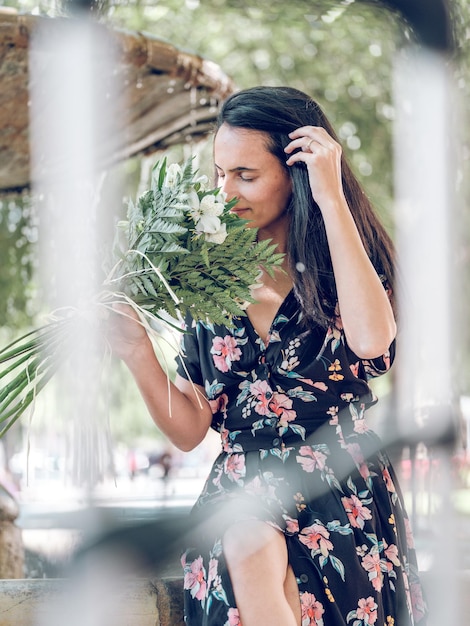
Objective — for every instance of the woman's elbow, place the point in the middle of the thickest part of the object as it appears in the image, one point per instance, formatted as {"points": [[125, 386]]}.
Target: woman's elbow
{"points": [[190, 438], [188, 445], [374, 345]]}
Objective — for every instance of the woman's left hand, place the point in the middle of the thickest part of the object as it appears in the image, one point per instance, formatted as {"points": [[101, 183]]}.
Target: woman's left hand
{"points": [[366, 313], [322, 156]]}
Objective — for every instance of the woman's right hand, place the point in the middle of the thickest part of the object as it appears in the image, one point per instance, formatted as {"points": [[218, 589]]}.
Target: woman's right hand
{"points": [[180, 411], [125, 333]]}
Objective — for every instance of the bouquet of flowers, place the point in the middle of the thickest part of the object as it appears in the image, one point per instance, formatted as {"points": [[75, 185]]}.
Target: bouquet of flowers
{"points": [[180, 251]]}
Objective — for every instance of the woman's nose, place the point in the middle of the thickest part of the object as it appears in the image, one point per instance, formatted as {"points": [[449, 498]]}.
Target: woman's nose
{"points": [[228, 187]]}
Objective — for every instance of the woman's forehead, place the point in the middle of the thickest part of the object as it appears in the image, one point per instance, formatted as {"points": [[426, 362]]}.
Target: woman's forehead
{"points": [[232, 140], [241, 134]]}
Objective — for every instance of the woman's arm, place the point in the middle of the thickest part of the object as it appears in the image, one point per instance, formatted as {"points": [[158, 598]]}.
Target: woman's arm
{"points": [[181, 411], [365, 309]]}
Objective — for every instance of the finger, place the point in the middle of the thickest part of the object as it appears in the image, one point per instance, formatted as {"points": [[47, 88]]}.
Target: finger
{"points": [[300, 157], [304, 143], [301, 136], [317, 132]]}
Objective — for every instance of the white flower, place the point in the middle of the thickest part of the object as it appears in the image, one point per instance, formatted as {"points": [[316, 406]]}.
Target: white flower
{"points": [[212, 228], [173, 172], [194, 205], [205, 213], [203, 182], [207, 207], [210, 206], [219, 236], [221, 197]]}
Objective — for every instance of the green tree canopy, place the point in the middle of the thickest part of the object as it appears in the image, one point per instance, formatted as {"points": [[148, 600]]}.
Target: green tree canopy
{"points": [[342, 52]]}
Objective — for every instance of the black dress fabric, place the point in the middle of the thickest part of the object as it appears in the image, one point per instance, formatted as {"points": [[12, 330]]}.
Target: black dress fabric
{"points": [[296, 452]]}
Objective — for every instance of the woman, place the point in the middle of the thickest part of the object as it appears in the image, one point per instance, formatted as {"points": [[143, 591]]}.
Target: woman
{"points": [[306, 525]]}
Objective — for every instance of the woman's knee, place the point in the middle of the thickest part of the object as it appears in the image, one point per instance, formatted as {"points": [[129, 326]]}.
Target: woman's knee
{"points": [[257, 543], [242, 539], [254, 552]]}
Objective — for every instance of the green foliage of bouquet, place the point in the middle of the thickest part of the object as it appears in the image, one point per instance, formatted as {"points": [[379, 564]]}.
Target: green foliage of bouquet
{"points": [[180, 251]]}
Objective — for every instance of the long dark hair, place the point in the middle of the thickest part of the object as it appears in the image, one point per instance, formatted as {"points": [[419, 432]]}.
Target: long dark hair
{"points": [[277, 111]]}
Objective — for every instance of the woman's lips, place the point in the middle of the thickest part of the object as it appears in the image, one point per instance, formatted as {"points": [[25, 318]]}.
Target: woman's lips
{"points": [[239, 212]]}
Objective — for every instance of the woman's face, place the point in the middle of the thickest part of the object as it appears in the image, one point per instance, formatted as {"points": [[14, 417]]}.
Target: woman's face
{"points": [[248, 171]]}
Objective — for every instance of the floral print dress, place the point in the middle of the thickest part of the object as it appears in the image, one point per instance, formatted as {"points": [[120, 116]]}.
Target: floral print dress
{"points": [[298, 454]]}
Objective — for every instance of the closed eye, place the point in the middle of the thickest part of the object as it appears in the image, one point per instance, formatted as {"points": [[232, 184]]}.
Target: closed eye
{"points": [[245, 179], [241, 171]]}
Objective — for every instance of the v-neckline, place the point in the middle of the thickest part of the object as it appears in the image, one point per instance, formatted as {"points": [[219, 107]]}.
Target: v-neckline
{"points": [[265, 341]]}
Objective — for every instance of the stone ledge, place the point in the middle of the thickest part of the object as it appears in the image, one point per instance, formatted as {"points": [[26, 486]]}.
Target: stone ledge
{"points": [[134, 602]]}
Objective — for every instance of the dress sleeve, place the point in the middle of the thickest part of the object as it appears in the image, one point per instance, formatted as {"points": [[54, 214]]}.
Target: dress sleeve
{"points": [[372, 368], [188, 362]]}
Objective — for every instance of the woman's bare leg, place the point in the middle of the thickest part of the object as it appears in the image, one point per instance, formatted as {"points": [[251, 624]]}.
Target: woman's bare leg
{"points": [[291, 591], [263, 582]]}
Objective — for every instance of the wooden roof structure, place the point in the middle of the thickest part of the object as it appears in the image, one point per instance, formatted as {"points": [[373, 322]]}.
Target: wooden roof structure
{"points": [[171, 95]]}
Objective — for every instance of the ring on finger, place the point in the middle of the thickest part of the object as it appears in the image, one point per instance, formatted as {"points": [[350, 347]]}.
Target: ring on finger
{"points": [[309, 144]]}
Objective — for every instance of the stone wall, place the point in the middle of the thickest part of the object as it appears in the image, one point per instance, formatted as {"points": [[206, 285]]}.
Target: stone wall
{"points": [[135, 602], [11, 544]]}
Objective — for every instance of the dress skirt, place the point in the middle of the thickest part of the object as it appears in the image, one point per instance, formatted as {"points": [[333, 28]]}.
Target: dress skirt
{"points": [[348, 537], [298, 454]]}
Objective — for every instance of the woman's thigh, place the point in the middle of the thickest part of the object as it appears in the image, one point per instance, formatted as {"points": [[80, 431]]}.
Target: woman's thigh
{"points": [[257, 560]]}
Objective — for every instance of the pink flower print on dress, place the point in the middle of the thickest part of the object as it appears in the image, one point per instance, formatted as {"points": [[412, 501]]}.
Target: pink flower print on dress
{"points": [[356, 511], [388, 480], [233, 618], [386, 360], [235, 467], [315, 537], [213, 567], [354, 367], [312, 610], [257, 487], [375, 566], [310, 459], [225, 439], [355, 451], [224, 352], [261, 390], [417, 602], [292, 525], [357, 455], [219, 404], [367, 610], [361, 427], [194, 579], [281, 405], [391, 552], [410, 542]]}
